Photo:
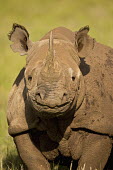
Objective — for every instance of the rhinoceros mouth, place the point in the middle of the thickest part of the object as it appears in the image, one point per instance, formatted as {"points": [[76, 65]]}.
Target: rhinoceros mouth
{"points": [[58, 109], [53, 107], [46, 111]]}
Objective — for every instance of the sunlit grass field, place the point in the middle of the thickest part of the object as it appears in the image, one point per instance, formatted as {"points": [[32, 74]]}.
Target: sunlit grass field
{"points": [[40, 16]]}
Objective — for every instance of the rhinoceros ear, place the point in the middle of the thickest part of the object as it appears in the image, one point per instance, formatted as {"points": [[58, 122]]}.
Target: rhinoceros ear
{"points": [[20, 38], [82, 41]]}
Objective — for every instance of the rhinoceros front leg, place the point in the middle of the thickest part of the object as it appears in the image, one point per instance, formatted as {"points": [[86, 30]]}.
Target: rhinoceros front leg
{"points": [[96, 151], [30, 155]]}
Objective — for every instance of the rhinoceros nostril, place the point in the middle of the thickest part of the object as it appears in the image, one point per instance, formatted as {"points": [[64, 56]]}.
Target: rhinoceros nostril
{"points": [[64, 97], [40, 95], [65, 94]]}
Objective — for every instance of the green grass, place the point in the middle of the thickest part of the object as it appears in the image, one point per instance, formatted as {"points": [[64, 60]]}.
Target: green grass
{"points": [[40, 16]]}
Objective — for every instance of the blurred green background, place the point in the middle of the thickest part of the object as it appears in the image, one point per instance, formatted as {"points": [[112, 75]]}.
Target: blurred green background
{"points": [[40, 16]]}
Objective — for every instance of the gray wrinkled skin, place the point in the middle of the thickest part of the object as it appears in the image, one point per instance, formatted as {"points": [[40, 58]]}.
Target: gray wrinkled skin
{"points": [[62, 101]]}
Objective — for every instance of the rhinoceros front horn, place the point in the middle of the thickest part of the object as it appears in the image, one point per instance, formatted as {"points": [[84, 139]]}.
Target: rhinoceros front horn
{"points": [[51, 43], [50, 70], [50, 56]]}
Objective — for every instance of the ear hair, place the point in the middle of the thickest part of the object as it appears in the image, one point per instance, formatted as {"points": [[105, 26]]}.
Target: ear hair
{"points": [[13, 29], [84, 29]]}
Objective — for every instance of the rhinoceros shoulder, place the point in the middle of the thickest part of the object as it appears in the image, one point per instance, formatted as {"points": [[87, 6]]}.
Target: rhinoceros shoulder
{"points": [[96, 113], [17, 85], [17, 111]]}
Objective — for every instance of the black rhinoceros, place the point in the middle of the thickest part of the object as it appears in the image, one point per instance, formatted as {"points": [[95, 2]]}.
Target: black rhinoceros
{"points": [[62, 101]]}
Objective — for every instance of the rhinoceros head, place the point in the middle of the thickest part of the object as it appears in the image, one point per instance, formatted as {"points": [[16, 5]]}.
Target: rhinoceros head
{"points": [[53, 79]]}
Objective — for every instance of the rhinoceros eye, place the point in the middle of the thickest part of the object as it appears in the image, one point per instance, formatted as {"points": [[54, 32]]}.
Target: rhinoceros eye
{"points": [[73, 78], [29, 78], [72, 74]]}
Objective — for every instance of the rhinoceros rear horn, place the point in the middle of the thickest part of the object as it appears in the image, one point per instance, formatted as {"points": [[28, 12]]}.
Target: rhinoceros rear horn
{"points": [[20, 38]]}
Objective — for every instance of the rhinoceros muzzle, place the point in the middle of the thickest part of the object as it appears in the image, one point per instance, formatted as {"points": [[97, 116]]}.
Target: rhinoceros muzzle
{"points": [[52, 105], [53, 98]]}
